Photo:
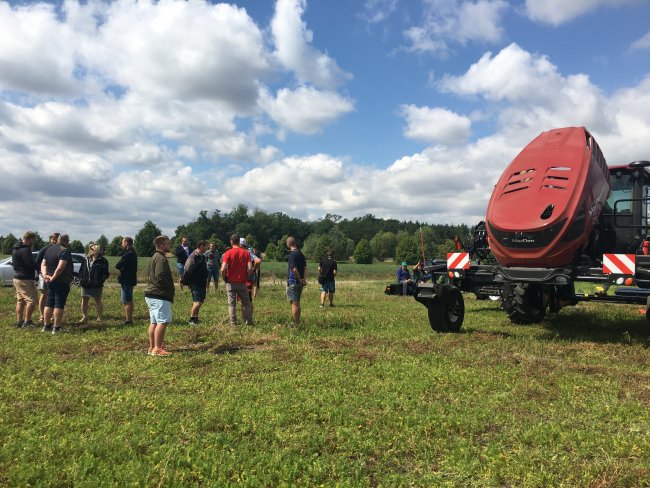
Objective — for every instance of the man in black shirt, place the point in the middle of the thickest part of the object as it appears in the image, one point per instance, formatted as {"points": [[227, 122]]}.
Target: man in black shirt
{"points": [[24, 275], [128, 278], [41, 280], [296, 278], [196, 276], [57, 271], [326, 272]]}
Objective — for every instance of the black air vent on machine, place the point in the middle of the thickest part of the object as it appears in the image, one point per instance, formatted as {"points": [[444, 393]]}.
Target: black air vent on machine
{"points": [[548, 211]]}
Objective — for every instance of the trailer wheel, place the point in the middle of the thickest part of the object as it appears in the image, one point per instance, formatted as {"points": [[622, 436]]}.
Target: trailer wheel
{"points": [[447, 311], [524, 303]]}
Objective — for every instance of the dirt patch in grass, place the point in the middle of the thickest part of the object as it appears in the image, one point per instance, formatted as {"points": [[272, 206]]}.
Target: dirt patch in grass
{"points": [[365, 355]]}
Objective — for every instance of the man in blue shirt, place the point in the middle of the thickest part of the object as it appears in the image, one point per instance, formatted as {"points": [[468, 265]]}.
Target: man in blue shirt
{"points": [[404, 277]]}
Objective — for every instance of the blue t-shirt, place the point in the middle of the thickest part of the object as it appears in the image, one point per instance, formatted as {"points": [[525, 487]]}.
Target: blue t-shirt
{"points": [[403, 274], [296, 260]]}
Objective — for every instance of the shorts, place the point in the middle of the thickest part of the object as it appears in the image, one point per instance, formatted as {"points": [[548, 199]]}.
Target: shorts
{"points": [[180, 268], [160, 311], [91, 292], [213, 273], [25, 291], [328, 286], [41, 284], [198, 294], [294, 292], [57, 294], [127, 294]]}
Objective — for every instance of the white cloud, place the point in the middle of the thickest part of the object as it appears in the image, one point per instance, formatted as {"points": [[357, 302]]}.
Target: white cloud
{"points": [[642, 43], [294, 51], [538, 95], [306, 110], [458, 21], [556, 12], [376, 11], [181, 50], [436, 125], [36, 50]]}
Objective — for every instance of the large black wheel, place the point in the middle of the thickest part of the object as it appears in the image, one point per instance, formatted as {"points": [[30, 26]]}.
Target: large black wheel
{"points": [[524, 303], [447, 310]]}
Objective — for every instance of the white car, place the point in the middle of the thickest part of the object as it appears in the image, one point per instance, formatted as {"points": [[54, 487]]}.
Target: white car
{"points": [[7, 270]]}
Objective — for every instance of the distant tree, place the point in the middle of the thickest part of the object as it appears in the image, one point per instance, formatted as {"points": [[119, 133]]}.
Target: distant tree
{"points": [[408, 249], [8, 243], [278, 251], [144, 239], [76, 246], [39, 243], [102, 241], [444, 248], [221, 247], [323, 244], [363, 252], [115, 247], [251, 241], [383, 245]]}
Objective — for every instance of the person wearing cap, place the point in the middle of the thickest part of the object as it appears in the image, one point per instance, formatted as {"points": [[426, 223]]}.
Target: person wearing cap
{"points": [[251, 280], [404, 277]]}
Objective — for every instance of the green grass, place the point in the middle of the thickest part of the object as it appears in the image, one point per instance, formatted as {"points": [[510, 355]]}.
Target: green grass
{"points": [[361, 394]]}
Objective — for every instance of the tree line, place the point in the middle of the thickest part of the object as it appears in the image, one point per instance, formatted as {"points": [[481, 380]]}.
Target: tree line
{"points": [[361, 238]]}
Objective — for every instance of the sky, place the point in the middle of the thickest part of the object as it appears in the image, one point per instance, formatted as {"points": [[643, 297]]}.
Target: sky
{"points": [[114, 113]]}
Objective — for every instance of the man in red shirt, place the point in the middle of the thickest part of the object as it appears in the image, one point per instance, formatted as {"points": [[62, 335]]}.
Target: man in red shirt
{"points": [[235, 268]]}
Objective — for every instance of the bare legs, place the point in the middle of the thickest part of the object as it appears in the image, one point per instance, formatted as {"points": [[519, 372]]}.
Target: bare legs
{"points": [[156, 337]]}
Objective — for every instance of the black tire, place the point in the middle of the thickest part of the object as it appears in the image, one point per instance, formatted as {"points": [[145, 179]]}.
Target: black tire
{"points": [[524, 303], [75, 280], [447, 311]]}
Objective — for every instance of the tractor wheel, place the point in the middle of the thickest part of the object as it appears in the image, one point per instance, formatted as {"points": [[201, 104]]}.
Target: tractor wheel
{"points": [[447, 311], [524, 303]]}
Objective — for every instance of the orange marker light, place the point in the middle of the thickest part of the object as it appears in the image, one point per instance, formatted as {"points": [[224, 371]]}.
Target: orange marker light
{"points": [[451, 274], [629, 281]]}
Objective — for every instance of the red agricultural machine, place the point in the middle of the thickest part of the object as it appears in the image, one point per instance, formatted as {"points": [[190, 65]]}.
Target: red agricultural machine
{"points": [[557, 216]]}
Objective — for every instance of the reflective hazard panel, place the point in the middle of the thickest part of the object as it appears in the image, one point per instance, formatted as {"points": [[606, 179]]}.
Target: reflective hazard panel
{"points": [[457, 260], [622, 264]]}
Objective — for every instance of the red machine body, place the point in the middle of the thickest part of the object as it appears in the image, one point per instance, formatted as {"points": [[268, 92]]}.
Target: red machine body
{"points": [[544, 206]]}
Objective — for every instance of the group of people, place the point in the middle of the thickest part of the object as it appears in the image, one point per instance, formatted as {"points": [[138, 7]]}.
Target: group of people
{"points": [[51, 272], [407, 280]]}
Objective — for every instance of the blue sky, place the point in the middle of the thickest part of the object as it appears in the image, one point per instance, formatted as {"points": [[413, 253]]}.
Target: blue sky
{"points": [[115, 113]]}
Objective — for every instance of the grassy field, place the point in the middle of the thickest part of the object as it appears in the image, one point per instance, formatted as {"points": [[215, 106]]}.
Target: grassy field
{"points": [[363, 394]]}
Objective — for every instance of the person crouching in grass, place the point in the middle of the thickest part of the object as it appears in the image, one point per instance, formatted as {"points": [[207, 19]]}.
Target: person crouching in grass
{"points": [[159, 295]]}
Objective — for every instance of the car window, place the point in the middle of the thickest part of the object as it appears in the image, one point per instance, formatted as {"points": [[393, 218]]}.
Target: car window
{"points": [[76, 258]]}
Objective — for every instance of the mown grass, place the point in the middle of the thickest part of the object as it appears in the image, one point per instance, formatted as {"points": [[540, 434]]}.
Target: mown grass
{"points": [[361, 394]]}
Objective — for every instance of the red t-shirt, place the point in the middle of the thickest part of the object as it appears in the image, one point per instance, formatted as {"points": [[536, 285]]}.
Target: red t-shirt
{"points": [[237, 260]]}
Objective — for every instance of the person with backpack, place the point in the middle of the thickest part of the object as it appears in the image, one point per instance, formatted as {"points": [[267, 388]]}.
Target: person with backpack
{"points": [[92, 275]]}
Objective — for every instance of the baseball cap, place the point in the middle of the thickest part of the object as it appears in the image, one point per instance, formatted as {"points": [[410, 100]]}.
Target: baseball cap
{"points": [[242, 242], [404, 263]]}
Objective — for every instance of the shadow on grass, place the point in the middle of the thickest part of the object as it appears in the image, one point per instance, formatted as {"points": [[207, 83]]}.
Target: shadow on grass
{"points": [[590, 327]]}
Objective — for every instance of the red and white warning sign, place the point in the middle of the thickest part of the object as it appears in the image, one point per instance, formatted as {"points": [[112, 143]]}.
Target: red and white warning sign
{"points": [[624, 264], [457, 260]]}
